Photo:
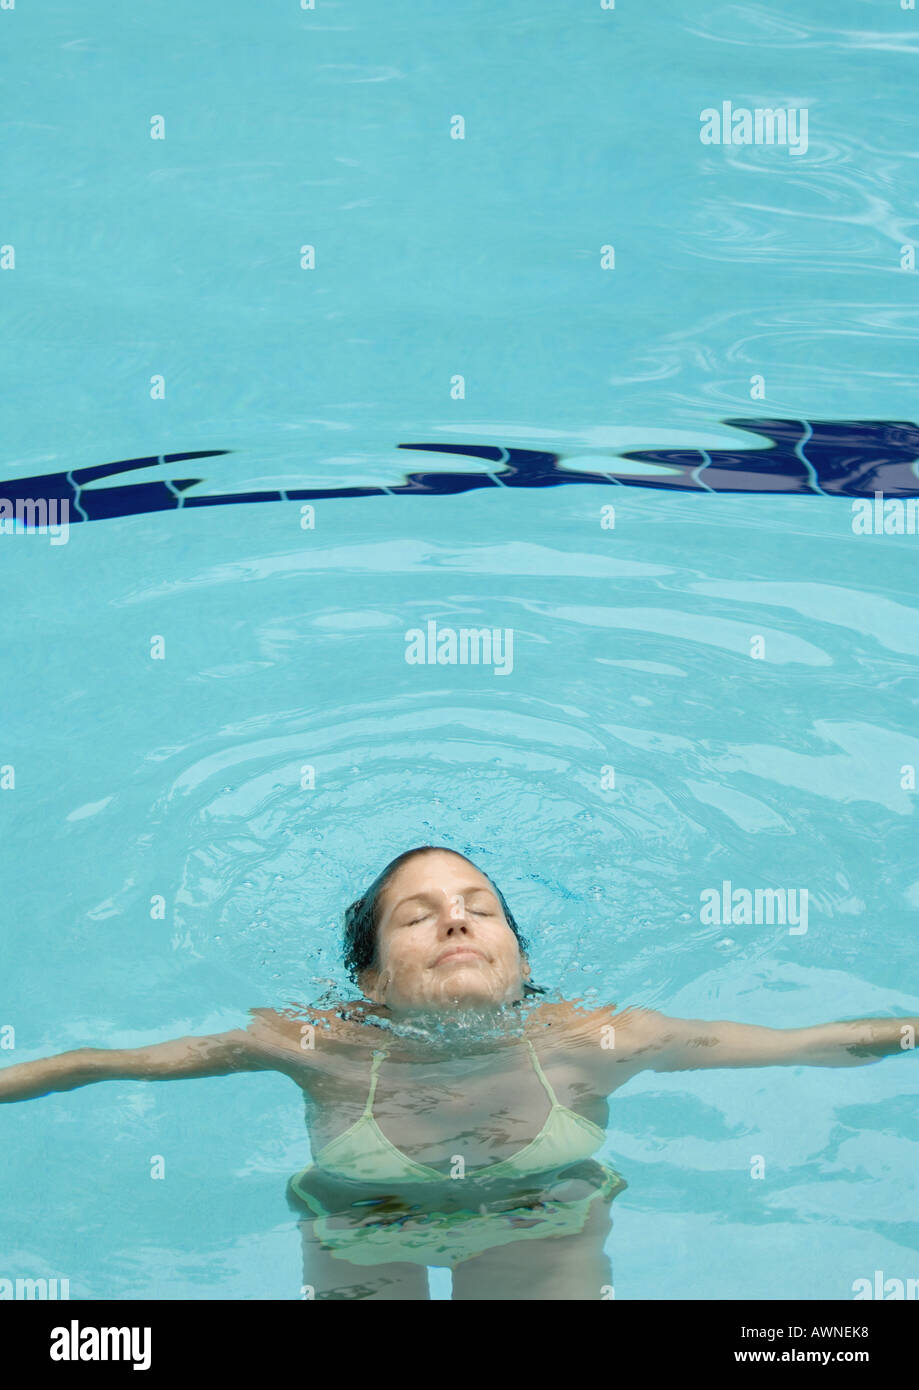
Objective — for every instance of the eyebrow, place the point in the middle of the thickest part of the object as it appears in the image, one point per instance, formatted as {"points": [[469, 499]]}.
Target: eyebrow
{"points": [[463, 893]]}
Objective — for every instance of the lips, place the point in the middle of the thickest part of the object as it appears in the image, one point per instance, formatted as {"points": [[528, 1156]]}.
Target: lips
{"points": [[460, 951]]}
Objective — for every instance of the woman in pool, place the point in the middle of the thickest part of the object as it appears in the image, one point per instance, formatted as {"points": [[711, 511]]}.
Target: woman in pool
{"points": [[424, 1100]]}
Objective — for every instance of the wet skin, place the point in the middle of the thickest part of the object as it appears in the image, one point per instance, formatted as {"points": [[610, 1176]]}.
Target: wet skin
{"points": [[458, 1080], [484, 1107], [444, 950]]}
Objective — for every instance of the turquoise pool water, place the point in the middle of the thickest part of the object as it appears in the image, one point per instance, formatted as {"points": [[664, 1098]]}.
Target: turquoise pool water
{"points": [[634, 646]]}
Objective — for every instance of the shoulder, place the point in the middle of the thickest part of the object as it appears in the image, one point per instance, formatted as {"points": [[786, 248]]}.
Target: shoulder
{"points": [[302, 1028], [607, 1028]]}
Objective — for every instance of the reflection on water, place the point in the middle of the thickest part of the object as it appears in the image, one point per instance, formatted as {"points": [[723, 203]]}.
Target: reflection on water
{"points": [[853, 458]]}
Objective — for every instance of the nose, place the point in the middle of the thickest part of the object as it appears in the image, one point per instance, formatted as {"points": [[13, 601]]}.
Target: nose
{"points": [[454, 915]]}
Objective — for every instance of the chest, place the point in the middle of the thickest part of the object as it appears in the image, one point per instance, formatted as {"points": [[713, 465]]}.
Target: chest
{"points": [[434, 1112]]}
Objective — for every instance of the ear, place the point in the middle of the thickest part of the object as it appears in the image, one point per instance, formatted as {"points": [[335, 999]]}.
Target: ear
{"points": [[525, 970], [369, 984]]}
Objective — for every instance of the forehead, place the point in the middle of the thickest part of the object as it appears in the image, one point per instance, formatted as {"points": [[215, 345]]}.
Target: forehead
{"points": [[433, 871]]}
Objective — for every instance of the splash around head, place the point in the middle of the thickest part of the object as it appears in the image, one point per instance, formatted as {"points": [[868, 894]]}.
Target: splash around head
{"points": [[433, 939]]}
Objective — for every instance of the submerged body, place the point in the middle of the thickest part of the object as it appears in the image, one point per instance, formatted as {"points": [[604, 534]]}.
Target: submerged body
{"points": [[453, 1121], [446, 1153]]}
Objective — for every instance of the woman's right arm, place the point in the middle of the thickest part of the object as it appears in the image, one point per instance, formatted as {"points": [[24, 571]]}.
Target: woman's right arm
{"points": [[218, 1054]]}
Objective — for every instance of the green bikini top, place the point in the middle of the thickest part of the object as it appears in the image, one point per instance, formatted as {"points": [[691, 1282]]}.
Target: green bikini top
{"points": [[364, 1153]]}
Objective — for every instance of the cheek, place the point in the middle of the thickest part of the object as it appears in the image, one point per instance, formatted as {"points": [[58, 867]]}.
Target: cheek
{"points": [[506, 950], [409, 950]]}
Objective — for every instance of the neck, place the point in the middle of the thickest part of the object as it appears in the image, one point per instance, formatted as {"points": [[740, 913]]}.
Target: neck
{"points": [[452, 1029]]}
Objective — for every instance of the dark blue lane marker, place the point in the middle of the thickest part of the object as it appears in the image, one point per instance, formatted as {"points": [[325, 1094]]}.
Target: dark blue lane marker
{"points": [[850, 458]]}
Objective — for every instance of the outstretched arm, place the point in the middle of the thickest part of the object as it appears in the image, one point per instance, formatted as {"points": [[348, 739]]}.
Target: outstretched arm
{"points": [[657, 1043], [215, 1055]]}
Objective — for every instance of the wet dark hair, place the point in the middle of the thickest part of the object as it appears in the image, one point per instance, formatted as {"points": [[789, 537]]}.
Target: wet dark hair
{"points": [[361, 918]]}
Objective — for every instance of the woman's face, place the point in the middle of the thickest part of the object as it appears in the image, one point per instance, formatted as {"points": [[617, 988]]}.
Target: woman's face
{"points": [[443, 940]]}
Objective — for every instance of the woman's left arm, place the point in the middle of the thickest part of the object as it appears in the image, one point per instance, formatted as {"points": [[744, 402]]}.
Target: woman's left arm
{"points": [[658, 1043]]}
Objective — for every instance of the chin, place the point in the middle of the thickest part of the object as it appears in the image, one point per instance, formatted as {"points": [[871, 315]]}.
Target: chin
{"points": [[452, 996]]}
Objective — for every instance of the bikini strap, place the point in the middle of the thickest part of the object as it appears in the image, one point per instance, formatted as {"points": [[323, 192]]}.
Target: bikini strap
{"points": [[374, 1071], [378, 1059], [543, 1078]]}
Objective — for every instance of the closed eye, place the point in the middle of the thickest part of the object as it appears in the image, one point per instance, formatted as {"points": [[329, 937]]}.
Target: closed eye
{"points": [[475, 911]]}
